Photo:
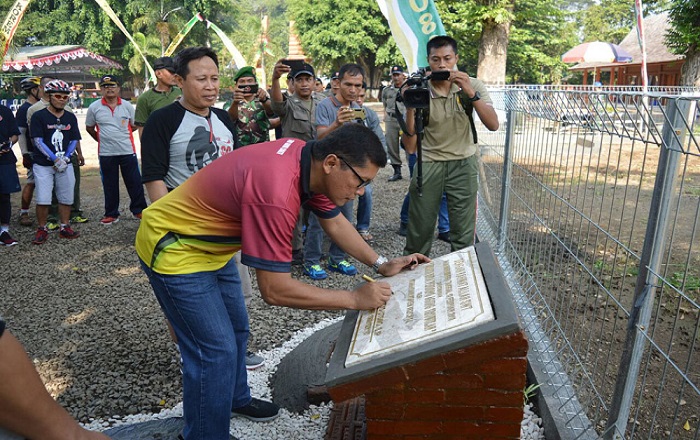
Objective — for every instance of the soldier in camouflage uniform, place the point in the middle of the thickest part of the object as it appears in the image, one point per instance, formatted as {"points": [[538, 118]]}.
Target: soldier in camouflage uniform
{"points": [[251, 110]]}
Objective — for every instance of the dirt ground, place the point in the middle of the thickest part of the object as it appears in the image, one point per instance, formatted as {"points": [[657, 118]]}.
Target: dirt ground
{"points": [[578, 220]]}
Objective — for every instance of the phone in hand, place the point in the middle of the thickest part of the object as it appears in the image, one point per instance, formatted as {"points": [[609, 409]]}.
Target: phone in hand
{"points": [[250, 88], [440, 75], [294, 64], [358, 113]]}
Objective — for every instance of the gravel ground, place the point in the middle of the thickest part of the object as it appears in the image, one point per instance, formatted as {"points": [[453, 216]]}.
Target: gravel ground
{"points": [[89, 320]]}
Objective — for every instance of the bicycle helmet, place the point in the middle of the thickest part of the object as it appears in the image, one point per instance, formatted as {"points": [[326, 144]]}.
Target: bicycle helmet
{"points": [[30, 83], [57, 86]]}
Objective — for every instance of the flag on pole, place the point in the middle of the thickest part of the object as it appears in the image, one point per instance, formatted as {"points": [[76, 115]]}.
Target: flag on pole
{"points": [[237, 57], [9, 26], [113, 16], [182, 34], [412, 24], [642, 43]]}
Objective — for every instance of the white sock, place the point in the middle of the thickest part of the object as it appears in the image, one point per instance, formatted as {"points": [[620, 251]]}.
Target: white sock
{"points": [[5, 228]]}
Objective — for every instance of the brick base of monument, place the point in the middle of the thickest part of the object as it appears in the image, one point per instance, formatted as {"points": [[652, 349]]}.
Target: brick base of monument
{"points": [[475, 392], [347, 421]]}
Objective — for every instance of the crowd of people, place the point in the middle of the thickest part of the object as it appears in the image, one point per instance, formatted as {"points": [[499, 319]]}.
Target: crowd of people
{"points": [[225, 200]]}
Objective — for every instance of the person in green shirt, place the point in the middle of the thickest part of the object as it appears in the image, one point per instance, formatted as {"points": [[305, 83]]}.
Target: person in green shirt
{"points": [[162, 94], [251, 109]]}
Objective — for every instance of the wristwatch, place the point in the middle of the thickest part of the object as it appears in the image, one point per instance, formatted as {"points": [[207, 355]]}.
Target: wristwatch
{"points": [[267, 98], [381, 260], [476, 97]]}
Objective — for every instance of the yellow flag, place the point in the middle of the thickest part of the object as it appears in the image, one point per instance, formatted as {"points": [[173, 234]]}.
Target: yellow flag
{"points": [[9, 26]]}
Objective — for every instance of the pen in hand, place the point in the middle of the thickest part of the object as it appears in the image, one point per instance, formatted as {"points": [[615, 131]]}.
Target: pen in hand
{"points": [[369, 279]]}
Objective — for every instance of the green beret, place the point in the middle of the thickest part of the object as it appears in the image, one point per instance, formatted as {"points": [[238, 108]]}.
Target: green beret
{"points": [[244, 71]]}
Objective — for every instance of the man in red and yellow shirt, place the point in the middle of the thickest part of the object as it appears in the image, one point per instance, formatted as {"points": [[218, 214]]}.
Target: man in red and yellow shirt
{"points": [[249, 200]]}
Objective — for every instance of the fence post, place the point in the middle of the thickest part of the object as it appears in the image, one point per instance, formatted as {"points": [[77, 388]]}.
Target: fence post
{"points": [[650, 262], [510, 101]]}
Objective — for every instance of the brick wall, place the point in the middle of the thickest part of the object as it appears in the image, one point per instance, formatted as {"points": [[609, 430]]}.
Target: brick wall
{"points": [[472, 393]]}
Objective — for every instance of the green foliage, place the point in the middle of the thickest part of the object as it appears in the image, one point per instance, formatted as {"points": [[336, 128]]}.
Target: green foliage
{"points": [[685, 24], [529, 392], [541, 32], [461, 23], [334, 33], [609, 21]]}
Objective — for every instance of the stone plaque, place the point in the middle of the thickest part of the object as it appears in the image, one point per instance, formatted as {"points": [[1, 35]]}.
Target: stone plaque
{"points": [[433, 301]]}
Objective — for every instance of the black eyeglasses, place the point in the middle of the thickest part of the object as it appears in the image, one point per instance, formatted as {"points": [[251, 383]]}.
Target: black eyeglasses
{"points": [[363, 182]]}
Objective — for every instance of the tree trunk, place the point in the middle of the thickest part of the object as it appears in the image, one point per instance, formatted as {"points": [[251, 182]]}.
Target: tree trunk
{"points": [[690, 72], [493, 52]]}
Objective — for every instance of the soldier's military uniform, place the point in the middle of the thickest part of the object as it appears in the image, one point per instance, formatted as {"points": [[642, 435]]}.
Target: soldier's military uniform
{"points": [[391, 124]]}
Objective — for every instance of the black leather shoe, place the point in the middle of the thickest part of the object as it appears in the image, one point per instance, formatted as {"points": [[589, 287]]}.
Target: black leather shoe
{"points": [[395, 177], [444, 236], [403, 229]]}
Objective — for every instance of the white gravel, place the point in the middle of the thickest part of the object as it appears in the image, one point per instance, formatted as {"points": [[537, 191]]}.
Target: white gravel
{"points": [[310, 425]]}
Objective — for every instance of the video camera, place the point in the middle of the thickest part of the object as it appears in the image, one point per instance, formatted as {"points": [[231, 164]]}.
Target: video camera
{"points": [[417, 95]]}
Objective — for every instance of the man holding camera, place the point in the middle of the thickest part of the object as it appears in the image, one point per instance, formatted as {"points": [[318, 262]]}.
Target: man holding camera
{"points": [[449, 148], [331, 114], [251, 110]]}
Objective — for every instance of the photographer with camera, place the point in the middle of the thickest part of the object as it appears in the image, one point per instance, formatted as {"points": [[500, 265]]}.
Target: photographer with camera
{"points": [[448, 146], [251, 109]]}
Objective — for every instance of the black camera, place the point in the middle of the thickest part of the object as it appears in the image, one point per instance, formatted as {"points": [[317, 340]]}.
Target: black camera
{"points": [[250, 88], [417, 95]]}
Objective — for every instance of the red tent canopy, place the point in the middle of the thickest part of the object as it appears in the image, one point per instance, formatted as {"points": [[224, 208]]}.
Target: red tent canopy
{"points": [[69, 59]]}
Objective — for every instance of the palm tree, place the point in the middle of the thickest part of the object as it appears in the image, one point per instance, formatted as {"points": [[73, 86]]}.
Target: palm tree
{"points": [[150, 45]]}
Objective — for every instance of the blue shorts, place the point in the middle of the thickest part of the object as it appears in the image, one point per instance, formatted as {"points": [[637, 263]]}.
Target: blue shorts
{"points": [[9, 181]]}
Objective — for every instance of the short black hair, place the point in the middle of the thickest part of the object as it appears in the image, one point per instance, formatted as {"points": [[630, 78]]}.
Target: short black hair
{"points": [[351, 70], [183, 58], [355, 143], [441, 41]]}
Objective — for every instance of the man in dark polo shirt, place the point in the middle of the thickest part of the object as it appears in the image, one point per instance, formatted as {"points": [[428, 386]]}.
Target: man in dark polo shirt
{"points": [[162, 94]]}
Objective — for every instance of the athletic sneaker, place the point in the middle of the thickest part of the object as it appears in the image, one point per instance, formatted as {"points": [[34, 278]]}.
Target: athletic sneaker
{"points": [[253, 361], [68, 232], [52, 226], [315, 272], [24, 219], [109, 220], [138, 216], [42, 234], [343, 267], [78, 219], [258, 411], [6, 239]]}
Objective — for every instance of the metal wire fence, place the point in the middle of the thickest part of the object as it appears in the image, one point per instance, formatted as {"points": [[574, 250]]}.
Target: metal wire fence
{"points": [[592, 201]]}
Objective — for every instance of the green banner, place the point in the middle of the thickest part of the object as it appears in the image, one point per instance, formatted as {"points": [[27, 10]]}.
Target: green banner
{"points": [[412, 23]]}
